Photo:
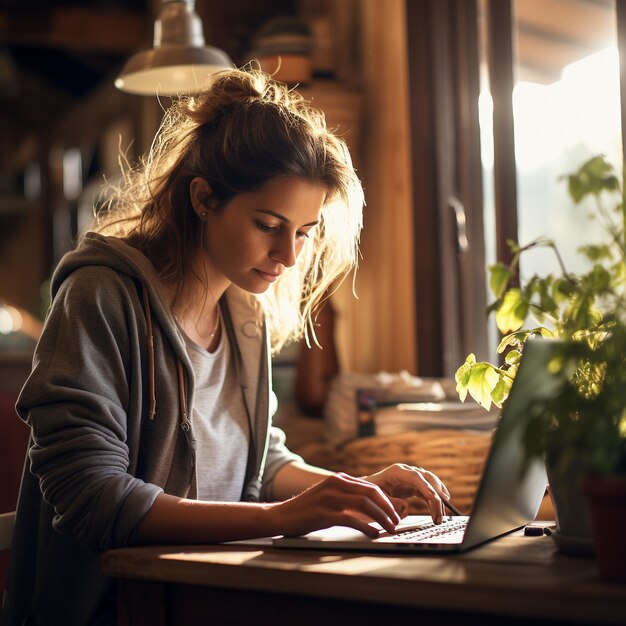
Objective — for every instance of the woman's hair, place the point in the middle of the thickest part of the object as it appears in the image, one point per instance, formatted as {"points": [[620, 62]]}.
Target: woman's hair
{"points": [[242, 131]]}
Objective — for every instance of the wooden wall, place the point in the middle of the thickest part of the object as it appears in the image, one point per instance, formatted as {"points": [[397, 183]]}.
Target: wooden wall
{"points": [[377, 331]]}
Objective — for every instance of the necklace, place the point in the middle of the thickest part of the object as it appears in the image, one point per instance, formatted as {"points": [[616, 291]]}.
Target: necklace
{"points": [[217, 324]]}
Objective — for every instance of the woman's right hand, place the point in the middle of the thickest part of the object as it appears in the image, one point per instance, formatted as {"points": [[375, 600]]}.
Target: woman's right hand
{"points": [[339, 500]]}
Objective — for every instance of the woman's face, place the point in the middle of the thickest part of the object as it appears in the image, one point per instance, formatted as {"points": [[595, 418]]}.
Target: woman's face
{"points": [[259, 234]]}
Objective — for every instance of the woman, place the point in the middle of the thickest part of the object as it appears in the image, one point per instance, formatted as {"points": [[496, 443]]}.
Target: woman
{"points": [[150, 398]]}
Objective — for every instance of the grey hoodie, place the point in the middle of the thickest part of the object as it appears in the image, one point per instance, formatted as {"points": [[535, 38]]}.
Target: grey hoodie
{"points": [[108, 402]]}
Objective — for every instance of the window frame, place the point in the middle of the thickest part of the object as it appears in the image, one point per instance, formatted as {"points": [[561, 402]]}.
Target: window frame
{"points": [[450, 286]]}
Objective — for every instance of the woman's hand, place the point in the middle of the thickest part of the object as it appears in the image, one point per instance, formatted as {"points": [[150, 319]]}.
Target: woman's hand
{"points": [[339, 500], [406, 481]]}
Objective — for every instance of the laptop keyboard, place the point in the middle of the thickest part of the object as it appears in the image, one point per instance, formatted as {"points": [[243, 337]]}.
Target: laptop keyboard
{"points": [[449, 531]]}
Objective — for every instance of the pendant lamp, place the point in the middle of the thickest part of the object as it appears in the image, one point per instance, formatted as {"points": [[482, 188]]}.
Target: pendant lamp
{"points": [[179, 62]]}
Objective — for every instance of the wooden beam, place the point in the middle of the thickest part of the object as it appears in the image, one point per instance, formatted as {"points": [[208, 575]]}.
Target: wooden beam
{"points": [[424, 164], [75, 28], [500, 55], [471, 261], [582, 22]]}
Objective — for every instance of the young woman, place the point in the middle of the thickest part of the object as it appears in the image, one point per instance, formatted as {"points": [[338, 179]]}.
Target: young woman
{"points": [[150, 398]]}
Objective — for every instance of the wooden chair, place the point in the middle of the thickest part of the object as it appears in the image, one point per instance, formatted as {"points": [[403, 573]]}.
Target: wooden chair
{"points": [[14, 369], [7, 521]]}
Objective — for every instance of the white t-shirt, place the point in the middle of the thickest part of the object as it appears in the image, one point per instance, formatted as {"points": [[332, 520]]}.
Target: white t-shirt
{"points": [[219, 422]]}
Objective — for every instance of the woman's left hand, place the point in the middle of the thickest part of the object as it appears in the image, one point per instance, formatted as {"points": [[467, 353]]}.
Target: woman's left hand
{"points": [[401, 481]]}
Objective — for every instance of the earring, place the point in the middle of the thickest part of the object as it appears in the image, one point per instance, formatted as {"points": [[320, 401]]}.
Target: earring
{"points": [[203, 215]]}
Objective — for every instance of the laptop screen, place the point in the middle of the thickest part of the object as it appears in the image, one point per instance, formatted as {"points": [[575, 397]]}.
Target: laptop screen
{"points": [[511, 488]]}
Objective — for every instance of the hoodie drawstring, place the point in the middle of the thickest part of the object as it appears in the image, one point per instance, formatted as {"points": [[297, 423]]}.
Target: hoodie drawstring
{"points": [[146, 306], [184, 420], [181, 395]]}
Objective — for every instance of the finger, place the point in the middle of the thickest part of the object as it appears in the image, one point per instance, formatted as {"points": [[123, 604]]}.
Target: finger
{"points": [[409, 480], [360, 525], [437, 510], [337, 519], [402, 506], [356, 507], [430, 495], [372, 492], [431, 498], [400, 480], [361, 504], [435, 482], [422, 482]]}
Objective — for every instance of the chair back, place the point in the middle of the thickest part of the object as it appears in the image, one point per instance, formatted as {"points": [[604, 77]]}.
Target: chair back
{"points": [[7, 521]]}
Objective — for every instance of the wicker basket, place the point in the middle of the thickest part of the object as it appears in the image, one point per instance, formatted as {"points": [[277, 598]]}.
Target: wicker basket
{"points": [[456, 456]]}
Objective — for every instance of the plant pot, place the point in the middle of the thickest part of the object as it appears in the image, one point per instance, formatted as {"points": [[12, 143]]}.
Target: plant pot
{"points": [[606, 498], [573, 533]]}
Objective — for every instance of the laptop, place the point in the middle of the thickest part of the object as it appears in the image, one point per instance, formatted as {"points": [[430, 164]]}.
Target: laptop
{"points": [[507, 497]]}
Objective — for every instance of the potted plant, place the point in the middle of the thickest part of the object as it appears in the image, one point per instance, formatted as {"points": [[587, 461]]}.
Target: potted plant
{"points": [[581, 430], [588, 417]]}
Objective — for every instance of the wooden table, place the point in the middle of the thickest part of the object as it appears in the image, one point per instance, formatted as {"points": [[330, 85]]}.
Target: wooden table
{"points": [[514, 580]]}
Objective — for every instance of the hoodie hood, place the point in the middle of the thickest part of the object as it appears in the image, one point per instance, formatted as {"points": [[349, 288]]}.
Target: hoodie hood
{"points": [[98, 250], [112, 252]]}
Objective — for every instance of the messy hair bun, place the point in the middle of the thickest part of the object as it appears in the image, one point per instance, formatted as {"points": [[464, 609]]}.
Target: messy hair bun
{"points": [[242, 131]]}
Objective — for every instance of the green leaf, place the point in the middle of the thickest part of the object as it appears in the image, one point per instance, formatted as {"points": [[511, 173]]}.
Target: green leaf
{"points": [[512, 313], [562, 289], [518, 338], [593, 177], [483, 379], [618, 270], [513, 339], [501, 391], [596, 252], [513, 357], [531, 288], [576, 187], [513, 246], [477, 379], [596, 167], [599, 278], [546, 301], [462, 376], [581, 313], [499, 276]]}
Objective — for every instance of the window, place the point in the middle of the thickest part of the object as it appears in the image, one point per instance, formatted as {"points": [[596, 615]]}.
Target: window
{"points": [[506, 96], [565, 108]]}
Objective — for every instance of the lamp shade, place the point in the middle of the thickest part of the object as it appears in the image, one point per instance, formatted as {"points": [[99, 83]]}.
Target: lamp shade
{"points": [[179, 62], [171, 70]]}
